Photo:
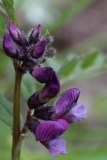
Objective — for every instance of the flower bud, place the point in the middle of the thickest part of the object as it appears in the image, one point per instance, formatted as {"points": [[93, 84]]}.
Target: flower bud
{"points": [[33, 102], [43, 74], [39, 49], [50, 90], [16, 34], [48, 38], [50, 52], [35, 34], [10, 48], [32, 125], [44, 112]]}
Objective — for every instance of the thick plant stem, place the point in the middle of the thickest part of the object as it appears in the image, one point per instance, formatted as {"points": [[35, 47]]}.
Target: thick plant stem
{"points": [[16, 117]]}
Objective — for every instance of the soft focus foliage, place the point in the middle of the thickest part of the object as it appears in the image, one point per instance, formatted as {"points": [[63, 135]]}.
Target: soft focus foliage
{"points": [[81, 65]]}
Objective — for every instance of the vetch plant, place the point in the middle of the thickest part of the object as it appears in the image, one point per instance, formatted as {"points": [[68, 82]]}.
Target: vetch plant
{"points": [[28, 52]]}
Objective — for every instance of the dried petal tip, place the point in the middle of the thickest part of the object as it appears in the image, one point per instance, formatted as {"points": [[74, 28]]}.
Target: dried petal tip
{"points": [[9, 47], [32, 125], [39, 49], [50, 52], [16, 34], [35, 34], [42, 75]]}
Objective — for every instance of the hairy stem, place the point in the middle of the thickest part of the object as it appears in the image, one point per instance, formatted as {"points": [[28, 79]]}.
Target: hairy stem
{"points": [[16, 116]]}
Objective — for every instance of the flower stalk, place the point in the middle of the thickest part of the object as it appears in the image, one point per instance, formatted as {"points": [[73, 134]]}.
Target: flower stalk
{"points": [[16, 114]]}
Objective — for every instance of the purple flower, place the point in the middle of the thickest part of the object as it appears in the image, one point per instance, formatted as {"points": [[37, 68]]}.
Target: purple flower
{"points": [[10, 48], [38, 49], [48, 133], [50, 90], [67, 107], [32, 49], [16, 34], [35, 34], [43, 74]]}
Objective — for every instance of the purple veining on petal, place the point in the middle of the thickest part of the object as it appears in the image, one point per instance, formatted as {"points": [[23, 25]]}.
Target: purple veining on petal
{"points": [[51, 89], [55, 146], [65, 102], [76, 114], [48, 130], [9, 46], [39, 49], [43, 74]]}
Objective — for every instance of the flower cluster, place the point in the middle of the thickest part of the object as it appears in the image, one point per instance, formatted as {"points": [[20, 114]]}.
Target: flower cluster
{"points": [[33, 50], [57, 119]]}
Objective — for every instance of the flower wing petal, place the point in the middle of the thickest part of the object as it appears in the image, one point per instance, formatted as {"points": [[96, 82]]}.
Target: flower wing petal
{"points": [[76, 114], [65, 102]]}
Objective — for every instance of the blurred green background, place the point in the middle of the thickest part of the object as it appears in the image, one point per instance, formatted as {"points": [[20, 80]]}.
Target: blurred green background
{"points": [[79, 28]]}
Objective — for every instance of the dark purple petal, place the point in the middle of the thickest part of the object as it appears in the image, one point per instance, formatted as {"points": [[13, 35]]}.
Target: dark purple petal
{"points": [[51, 89], [16, 34], [32, 125], [43, 74], [35, 34], [76, 114], [44, 112], [48, 130], [39, 49], [66, 101], [9, 46], [55, 146], [33, 101]]}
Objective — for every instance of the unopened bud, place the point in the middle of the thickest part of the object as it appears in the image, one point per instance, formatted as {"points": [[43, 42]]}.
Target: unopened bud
{"points": [[33, 102], [32, 125], [35, 34], [39, 49], [44, 112], [11, 49], [17, 35], [50, 90], [50, 52]]}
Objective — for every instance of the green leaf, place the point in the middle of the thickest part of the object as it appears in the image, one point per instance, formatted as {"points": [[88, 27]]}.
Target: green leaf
{"points": [[27, 86], [93, 65], [10, 10], [6, 111], [67, 67], [89, 61]]}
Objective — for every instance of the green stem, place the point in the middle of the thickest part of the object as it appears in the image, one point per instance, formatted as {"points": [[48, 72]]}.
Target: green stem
{"points": [[16, 116]]}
